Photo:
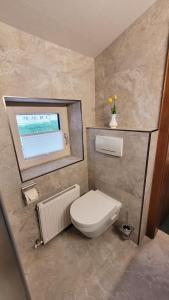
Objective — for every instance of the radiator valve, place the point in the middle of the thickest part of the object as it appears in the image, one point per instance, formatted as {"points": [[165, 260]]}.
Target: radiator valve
{"points": [[38, 243]]}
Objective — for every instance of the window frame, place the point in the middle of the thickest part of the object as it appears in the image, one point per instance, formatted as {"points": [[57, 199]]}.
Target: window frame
{"points": [[38, 160]]}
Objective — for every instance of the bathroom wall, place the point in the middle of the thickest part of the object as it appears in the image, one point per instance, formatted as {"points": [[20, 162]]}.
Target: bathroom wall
{"points": [[133, 67], [127, 178], [32, 67]]}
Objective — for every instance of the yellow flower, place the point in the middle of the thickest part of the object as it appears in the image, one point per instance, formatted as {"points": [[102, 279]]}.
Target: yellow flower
{"points": [[110, 100]]}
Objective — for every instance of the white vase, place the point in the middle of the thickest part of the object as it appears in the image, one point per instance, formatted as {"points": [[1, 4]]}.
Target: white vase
{"points": [[113, 121]]}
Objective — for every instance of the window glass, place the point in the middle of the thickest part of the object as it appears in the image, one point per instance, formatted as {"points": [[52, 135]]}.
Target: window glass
{"points": [[40, 134]]}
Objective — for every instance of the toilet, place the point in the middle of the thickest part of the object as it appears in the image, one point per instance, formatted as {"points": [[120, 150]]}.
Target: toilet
{"points": [[94, 212]]}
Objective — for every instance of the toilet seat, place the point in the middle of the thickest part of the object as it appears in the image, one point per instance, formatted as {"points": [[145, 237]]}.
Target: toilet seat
{"points": [[93, 209]]}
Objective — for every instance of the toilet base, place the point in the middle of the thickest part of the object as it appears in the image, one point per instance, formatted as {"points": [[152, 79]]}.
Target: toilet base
{"points": [[97, 232]]}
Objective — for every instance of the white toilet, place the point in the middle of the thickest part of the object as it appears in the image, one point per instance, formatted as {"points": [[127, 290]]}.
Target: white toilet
{"points": [[94, 213]]}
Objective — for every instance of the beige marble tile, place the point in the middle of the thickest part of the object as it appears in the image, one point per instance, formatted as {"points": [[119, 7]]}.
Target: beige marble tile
{"points": [[32, 67], [124, 178], [77, 267], [133, 68], [146, 277], [11, 285], [73, 267]]}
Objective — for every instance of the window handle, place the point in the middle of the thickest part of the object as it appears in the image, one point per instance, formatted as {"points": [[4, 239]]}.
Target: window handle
{"points": [[66, 137]]}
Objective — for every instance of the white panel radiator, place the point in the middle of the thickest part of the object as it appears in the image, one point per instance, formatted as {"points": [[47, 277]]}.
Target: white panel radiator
{"points": [[54, 212]]}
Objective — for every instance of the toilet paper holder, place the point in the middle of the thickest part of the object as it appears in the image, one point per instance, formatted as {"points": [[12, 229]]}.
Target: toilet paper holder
{"points": [[25, 190]]}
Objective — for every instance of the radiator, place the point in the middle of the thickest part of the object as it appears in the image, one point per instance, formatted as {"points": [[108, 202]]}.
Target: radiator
{"points": [[54, 212]]}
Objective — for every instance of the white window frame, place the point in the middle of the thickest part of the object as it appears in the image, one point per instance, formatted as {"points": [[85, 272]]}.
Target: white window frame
{"points": [[38, 160]]}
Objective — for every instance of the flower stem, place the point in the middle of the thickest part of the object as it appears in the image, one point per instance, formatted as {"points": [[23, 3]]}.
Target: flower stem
{"points": [[113, 109]]}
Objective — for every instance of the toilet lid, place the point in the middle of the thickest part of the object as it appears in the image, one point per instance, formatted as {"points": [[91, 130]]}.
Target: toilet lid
{"points": [[92, 208]]}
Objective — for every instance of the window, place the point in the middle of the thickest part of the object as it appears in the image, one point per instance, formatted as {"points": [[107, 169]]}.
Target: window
{"points": [[40, 134], [47, 134]]}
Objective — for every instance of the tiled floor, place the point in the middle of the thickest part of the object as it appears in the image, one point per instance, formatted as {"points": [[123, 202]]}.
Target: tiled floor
{"points": [[147, 275], [72, 267], [165, 225], [11, 287]]}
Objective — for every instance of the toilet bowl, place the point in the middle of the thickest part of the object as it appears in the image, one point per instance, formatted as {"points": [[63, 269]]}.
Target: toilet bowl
{"points": [[94, 213]]}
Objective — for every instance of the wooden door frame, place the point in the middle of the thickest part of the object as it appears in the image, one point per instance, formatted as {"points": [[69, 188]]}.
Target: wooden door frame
{"points": [[162, 147]]}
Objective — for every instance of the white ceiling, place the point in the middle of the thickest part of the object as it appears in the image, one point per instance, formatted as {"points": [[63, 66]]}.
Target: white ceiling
{"points": [[86, 26]]}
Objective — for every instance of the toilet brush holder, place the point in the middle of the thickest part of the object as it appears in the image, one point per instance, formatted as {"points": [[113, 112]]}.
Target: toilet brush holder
{"points": [[126, 231]]}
